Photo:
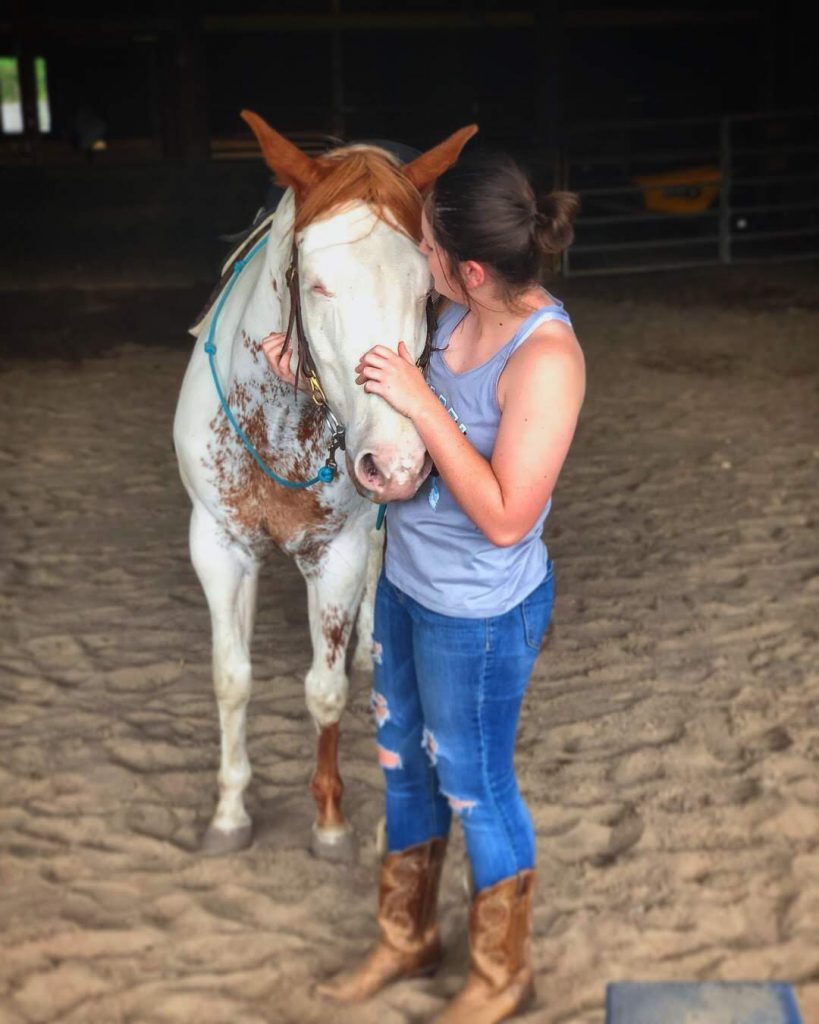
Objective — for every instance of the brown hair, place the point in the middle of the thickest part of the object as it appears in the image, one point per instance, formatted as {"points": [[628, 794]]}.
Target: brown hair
{"points": [[365, 175], [485, 209]]}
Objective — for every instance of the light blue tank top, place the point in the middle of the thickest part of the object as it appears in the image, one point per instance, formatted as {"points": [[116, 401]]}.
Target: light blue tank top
{"points": [[435, 553]]}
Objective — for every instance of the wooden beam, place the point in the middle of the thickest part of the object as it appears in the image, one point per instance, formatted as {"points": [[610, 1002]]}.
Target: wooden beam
{"points": [[373, 21], [630, 18], [93, 29]]}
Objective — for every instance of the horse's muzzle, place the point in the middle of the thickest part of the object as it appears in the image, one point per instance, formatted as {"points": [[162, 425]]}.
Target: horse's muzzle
{"points": [[382, 479]]}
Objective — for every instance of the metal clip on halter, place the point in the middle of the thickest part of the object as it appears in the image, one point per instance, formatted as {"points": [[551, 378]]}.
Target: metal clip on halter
{"points": [[316, 392], [337, 441]]}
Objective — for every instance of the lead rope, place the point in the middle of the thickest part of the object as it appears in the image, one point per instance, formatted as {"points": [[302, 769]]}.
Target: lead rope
{"points": [[328, 471]]}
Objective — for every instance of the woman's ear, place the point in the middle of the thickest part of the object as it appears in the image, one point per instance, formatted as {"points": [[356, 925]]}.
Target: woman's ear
{"points": [[472, 273]]}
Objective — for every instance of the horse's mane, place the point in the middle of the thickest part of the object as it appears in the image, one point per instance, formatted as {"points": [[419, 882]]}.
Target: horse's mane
{"points": [[363, 174]]}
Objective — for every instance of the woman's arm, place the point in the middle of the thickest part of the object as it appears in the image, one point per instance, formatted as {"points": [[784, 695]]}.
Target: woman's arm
{"points": [[540, 394]]}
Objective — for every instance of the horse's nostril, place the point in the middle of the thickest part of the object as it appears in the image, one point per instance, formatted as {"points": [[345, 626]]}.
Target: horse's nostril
{"points": [[368, 472], [369, 468]]}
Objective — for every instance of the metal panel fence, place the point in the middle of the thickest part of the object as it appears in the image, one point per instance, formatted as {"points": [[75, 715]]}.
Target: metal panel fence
{"points": [[659, 195]]}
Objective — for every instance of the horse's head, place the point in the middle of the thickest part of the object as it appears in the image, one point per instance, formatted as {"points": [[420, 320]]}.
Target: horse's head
{"points": [[362, 282]]}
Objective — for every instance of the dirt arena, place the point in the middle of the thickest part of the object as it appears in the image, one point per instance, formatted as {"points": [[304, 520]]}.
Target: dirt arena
{"points": [[669, 746]]}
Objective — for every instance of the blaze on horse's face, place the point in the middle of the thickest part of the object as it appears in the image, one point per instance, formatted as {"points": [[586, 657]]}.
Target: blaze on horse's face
{"points": [[363, 283]]}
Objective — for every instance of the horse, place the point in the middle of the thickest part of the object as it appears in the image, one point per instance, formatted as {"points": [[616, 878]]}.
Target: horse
{"points": [[337, 265]]}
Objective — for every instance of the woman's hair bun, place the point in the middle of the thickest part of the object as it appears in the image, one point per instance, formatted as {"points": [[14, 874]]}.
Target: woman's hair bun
{"points": [[554, 221], [485, 209]]}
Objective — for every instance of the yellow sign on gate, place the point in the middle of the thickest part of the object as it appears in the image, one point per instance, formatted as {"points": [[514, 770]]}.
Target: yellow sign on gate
{"points": [[688, 191]]}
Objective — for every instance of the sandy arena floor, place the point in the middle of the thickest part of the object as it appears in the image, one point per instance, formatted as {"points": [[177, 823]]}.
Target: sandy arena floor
{"points": [[669, 746]]}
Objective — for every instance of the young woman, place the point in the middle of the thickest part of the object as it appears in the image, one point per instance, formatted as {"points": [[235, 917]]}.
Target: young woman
{"points": [[467, 588]]}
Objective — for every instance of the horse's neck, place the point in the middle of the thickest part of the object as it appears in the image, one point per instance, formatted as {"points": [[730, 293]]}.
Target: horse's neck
{"points": [[266, 304]]}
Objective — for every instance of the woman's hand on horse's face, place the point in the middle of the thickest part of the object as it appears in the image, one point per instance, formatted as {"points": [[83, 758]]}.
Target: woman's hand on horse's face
{"points": [[395, 377], [278, 357]]}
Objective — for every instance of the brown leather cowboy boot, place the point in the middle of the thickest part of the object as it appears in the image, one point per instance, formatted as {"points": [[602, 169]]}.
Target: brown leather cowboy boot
{"points": [[500, 978], [409, 945]]}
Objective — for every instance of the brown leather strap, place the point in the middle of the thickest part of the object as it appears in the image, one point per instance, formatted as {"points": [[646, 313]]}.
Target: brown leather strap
{"points": [[295, 318]]}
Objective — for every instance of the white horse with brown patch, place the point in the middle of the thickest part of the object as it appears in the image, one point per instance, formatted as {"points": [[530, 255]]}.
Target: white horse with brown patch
{"points": [[340, 266]]}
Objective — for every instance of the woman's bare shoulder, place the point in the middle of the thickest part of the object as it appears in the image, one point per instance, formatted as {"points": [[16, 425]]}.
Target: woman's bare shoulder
{"points": [[550, 358], [550, 339]]}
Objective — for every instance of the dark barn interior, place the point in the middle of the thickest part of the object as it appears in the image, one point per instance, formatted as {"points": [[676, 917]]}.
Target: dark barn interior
{"points": [[174, 166]]}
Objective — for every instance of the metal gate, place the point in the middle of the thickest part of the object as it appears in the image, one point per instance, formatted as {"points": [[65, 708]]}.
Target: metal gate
{"points": [[659, 195]]}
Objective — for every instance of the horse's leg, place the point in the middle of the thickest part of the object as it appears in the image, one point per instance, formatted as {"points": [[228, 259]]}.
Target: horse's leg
{"points": [[333, 593], [362, 656], [229, 578]]}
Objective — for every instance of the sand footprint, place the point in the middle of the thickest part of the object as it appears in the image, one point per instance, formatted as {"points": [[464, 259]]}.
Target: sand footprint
{"points": [[601, 837]]}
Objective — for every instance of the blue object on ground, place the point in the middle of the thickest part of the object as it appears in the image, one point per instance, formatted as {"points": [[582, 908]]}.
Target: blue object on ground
{"points": [[703, 1002]]}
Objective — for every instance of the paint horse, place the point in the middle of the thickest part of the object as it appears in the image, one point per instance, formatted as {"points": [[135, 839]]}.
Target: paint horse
{"points": [[337, 266]]}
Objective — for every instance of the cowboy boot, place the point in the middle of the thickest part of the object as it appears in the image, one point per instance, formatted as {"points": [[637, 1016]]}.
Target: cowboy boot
{"points": [[500, 981], [409, 945]]}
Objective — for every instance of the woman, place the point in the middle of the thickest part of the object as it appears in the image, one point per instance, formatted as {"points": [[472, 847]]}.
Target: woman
{"points": [[467, 588]]}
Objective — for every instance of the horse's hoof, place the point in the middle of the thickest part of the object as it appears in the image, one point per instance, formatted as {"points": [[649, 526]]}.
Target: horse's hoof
{"points": [[333, 844], [217, 842]]}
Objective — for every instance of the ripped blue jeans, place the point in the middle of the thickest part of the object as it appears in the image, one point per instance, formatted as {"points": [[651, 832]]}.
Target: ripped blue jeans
{"points": [[446, 697]]}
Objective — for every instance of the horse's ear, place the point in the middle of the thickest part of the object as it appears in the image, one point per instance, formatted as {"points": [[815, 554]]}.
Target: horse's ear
{"points": [[425, 168], [289, 164]]}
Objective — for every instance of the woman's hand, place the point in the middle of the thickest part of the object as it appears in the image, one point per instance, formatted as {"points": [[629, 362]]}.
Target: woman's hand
{"points": [[395, 377], [278, 357]]}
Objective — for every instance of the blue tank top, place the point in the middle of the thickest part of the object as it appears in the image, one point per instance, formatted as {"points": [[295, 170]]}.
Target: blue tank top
{"points": [[435, 553]]}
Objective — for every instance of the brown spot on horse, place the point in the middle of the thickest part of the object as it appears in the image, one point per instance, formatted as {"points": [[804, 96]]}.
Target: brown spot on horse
{"points": [[335, 625]]}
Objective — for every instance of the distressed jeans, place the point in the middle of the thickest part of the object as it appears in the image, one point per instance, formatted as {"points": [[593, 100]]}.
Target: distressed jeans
{"points": [[446, 698]]}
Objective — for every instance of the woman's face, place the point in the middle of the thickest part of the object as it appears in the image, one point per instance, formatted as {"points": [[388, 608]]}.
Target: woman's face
{"points": [[442, 276]]}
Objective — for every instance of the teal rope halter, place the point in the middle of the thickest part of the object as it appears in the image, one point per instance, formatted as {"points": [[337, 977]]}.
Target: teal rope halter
{"points": [[326, 474]]}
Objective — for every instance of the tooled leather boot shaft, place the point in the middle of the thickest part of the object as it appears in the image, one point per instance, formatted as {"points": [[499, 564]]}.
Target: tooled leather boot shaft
{"points": [[408, 895], [500, 979], [409, 944]]}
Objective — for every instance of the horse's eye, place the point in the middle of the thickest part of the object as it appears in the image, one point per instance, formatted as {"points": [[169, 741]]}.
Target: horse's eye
{"points": [[321, 289]]}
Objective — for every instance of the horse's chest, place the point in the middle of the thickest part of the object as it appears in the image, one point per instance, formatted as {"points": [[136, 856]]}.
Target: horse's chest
{"points": [[256, 508]]}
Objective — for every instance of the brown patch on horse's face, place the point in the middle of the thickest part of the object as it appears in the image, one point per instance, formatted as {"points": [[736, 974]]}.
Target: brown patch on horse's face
{"points": [[335, 625], [361, 175]]}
